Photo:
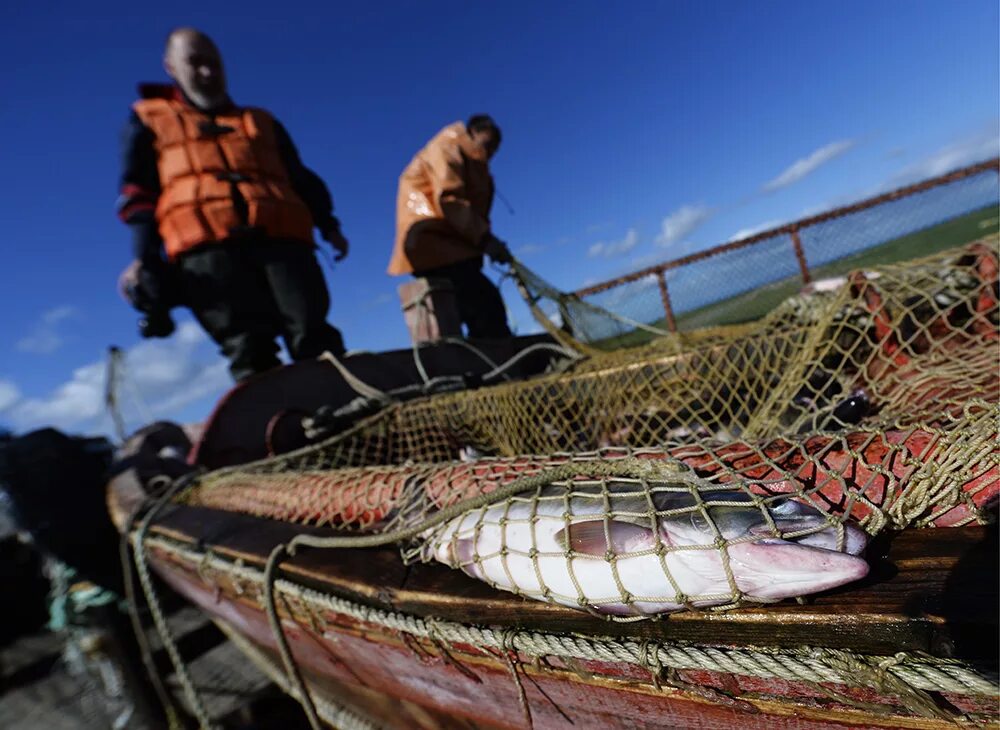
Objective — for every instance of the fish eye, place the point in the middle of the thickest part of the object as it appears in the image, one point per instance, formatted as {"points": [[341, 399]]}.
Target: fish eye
{"points": [[784, 507], [699, 521]]}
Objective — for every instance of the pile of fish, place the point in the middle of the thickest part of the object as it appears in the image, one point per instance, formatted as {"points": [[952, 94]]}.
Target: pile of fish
{"points": [[628, 550]]}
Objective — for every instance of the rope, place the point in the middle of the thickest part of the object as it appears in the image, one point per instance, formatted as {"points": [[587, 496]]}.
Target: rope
{"points": [[293, 675], [471, 348], [360, 387], [145, 579], [132, 604], [419, 363], [796, 665], [509, 363], [509, 654]]}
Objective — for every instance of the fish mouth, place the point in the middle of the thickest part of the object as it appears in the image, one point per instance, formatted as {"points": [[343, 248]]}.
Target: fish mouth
{"points": [[802, 554], [813, 532], [774, 569]]}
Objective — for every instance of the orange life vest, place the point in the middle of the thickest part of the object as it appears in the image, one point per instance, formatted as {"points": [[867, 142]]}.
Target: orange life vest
{"points": [[442, 204], [221, 177]]}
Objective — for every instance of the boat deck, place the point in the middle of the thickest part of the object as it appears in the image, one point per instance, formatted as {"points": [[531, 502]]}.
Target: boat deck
{"points": [[931, 590]]}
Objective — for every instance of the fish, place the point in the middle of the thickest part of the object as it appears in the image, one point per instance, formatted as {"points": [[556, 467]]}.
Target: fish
{"points": [[625, 550]]}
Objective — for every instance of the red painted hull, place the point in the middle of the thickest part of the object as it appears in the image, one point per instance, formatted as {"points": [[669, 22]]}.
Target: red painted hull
{"points": [[347, 660]]}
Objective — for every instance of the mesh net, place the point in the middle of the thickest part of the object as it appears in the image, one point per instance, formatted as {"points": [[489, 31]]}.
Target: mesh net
{"points": [[707, 468]]}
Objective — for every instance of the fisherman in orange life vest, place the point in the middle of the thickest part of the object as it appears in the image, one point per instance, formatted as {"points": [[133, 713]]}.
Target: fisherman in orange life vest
{"points": [[221, 211], [443, 221]]}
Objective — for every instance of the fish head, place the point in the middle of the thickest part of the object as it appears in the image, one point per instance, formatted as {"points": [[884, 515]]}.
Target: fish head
{"points": [[736, 516], [776, 549], [775, 569]]}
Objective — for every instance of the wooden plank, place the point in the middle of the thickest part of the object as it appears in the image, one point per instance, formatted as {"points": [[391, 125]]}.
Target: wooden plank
{"points": [[932, 590]]}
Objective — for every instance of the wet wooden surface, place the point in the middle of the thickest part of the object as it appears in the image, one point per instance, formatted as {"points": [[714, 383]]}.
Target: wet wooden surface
{"points": [[932, 590]]}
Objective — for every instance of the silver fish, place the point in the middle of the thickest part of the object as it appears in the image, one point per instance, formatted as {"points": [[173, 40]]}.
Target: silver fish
{"points": [[614, 551]]}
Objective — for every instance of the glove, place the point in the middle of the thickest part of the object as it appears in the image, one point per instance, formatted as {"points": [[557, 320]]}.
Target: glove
{"points": [[149, 291], [496, 249], [156, 324], [332, 235], [128, 281]]}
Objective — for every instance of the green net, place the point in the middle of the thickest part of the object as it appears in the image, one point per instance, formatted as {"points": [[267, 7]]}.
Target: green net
{"points": [[709, 468]]}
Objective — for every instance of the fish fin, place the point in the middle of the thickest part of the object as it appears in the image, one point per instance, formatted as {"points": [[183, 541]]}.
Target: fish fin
{"points": [[590, 538], [464, 556]]}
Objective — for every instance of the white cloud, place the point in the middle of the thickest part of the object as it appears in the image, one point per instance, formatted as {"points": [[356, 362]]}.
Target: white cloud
{"points": [[978, 147], [754, 230], [162, 376], [58, 314], [622, 298], [800, 168], [641, 262], [528, 249], [9, 395], [681, 223], [78, 400], [45, 338], [974, 148], [378, 301], [212, 379], [610, 249]]}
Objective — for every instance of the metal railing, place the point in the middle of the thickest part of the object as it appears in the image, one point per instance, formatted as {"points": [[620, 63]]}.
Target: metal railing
{"points": [[797, 249]]}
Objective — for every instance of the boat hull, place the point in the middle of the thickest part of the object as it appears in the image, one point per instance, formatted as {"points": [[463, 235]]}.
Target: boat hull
{"points": [[404, 680]]}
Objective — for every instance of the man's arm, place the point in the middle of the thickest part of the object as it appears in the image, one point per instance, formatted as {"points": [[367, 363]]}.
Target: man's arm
{"points": [[313, 191], [139, 191], [309, 186], [447, 167]]}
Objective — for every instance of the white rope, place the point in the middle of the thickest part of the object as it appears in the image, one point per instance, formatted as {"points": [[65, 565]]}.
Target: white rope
{"points": [[159, 619], [930, 674], [510, 362], [360, 387]]}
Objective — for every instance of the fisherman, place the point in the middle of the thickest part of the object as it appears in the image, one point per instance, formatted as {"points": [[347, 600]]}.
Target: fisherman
{"points": [[221, 211], [443, 221]]}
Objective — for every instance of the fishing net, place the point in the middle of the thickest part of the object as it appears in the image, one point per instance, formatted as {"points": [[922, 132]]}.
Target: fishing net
{"points": [[867, 404]]}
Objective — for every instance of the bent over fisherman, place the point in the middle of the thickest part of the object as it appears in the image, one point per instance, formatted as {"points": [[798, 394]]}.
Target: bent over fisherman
{"points": [[443, 221], [222, 212]]}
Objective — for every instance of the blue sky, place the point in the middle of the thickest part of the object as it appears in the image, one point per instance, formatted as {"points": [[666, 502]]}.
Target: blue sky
{"points": [[633, 133]]}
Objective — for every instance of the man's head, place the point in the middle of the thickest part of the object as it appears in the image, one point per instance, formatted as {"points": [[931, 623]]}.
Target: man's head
{"points": [[485, 133], [193, 61]]}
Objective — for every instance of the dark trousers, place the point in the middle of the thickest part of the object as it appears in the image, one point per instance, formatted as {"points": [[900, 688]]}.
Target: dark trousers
{"points": [[480, 306], [247, 293]]}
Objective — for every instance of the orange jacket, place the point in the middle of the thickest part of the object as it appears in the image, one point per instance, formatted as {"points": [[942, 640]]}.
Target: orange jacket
{"points": [[221, 176], [443, 203]]}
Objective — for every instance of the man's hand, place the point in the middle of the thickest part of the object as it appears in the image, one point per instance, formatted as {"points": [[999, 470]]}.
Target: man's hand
{"points": [[129, 280], [497, 250], [332, 235], [144, 290]]}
